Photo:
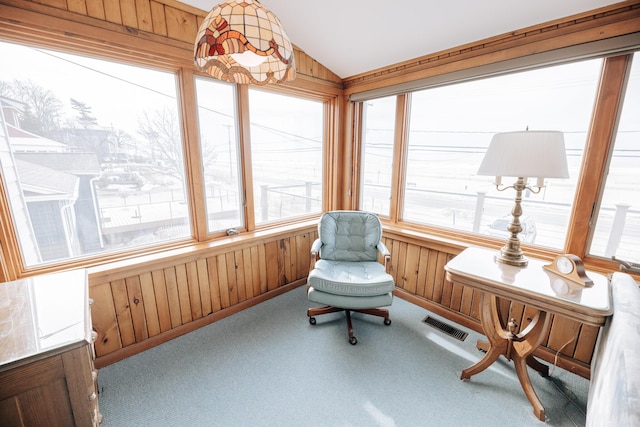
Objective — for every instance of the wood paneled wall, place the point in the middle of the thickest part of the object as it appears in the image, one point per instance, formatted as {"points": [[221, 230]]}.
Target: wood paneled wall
{"points": [[418, 269], [167, 21], [141, 306], [146, 303]]}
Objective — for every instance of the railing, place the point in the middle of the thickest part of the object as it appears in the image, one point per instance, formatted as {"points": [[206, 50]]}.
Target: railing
{"points": [[617, 233], [278, 202]]}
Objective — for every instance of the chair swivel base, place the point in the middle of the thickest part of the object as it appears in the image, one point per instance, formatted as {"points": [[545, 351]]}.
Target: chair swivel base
{"points": [[317, 311]]}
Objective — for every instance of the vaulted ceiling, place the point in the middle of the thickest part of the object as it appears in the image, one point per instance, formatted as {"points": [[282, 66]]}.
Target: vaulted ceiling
{"points": [[356, 36]]}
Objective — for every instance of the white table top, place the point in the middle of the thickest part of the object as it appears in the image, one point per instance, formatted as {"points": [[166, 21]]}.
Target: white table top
{"points": [[43, 314], [532, 285]]}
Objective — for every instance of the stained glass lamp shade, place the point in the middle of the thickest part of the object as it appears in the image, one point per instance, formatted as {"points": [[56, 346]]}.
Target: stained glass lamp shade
{"points": [[243, 42]]}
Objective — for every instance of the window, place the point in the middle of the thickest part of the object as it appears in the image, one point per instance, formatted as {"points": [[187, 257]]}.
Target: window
{"points": [[617, 227], [378, 128], [451, 127], [286, 150], [219, 154], [91, 154]]}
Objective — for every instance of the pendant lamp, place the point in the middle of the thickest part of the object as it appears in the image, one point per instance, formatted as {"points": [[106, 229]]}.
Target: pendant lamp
{"points": [[241, 41]]}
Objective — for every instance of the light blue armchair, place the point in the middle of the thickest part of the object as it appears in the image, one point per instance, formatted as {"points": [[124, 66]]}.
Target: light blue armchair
{"points": [[345, 274]]}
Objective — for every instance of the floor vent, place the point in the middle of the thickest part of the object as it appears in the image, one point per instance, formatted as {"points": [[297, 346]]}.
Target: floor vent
{"points": [[447, 329]]}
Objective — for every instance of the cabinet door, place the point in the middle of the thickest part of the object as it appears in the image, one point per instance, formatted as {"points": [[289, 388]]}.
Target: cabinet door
{"points": [[35, 395]]}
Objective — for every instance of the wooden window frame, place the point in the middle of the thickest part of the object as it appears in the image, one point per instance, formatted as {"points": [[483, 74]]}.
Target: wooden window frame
{"points": [[599, 143], [162, 38], [36, 28]]}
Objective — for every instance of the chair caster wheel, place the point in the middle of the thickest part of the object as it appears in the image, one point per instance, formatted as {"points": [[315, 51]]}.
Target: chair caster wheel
{"points": [[387, 322], [353, 340], [312, 320]]}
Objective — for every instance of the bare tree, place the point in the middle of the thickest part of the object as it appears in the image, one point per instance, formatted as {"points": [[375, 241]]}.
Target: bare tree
{"points": [[43, 107], [162, 132], [121, 139], [6, 89]]}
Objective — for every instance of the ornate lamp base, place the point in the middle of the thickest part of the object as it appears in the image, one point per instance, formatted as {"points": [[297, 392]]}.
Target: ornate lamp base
{"points": [[511, 257], [511, 253]]}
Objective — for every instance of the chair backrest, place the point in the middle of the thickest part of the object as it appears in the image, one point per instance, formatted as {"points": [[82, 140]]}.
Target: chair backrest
{"points": [[349, 236]]}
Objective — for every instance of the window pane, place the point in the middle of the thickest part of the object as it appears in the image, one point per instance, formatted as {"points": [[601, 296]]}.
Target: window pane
{"points": [[451, 127], [219, 152], [379, 117], [286, 151], [91, 154], [617, 230]]}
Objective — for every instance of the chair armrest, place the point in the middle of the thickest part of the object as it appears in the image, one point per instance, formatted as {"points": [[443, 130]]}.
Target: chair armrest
{"points": [[315, 252], [386, 255], [315, 247]]}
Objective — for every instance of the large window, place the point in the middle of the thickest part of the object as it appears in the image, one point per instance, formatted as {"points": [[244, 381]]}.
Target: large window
{"points": [[91, 154], [219, 154], [617, 230], [451, 127], [286, 151], [92, 161], [378, 131]]}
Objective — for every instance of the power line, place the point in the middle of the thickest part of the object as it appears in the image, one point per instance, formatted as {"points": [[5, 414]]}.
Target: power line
{"points": [[267, 128]]}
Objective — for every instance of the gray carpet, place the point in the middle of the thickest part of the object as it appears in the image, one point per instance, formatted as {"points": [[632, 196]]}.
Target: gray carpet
{"points": [[267, 366]]}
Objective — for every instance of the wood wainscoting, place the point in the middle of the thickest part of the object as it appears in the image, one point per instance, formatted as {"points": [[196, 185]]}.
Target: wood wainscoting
{"points": [[143, 302], [158, 298], [418, 269]]}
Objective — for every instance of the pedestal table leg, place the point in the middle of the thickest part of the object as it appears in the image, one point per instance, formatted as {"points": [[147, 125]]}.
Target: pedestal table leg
{"points": [[518, 347]]}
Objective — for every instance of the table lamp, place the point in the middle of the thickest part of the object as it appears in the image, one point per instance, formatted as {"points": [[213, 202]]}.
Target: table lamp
{"points": [[523, 155]]}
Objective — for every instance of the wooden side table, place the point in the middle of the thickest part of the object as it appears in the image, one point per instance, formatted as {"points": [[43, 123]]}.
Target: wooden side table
{"points": [[538, 289]]}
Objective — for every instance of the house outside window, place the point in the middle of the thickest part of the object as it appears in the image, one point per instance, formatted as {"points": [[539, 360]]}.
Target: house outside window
{"points": [[91, 154]]}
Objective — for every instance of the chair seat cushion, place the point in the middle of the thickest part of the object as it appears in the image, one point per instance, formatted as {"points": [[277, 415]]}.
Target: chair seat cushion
{"points": [[349, 302], [365, 278]]}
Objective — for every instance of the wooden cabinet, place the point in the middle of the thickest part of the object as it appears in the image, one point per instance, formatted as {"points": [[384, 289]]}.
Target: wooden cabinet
{"points": [[47, 376]]}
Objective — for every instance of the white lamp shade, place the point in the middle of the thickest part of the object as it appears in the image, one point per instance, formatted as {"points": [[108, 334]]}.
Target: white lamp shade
{"points": [[533, 154]]}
